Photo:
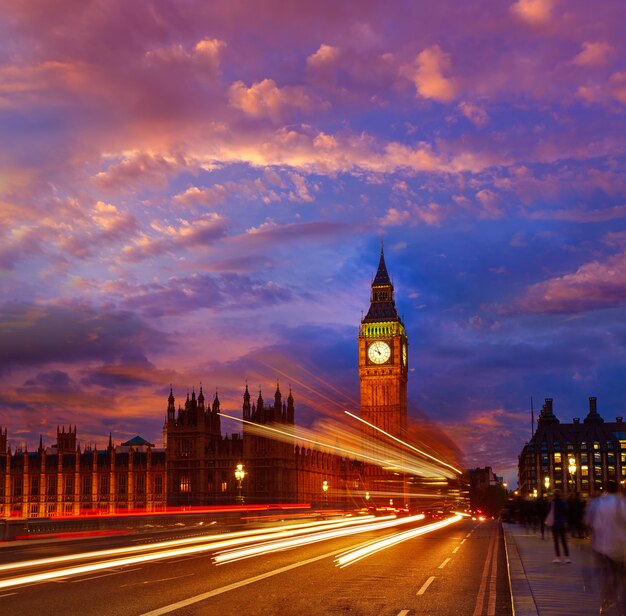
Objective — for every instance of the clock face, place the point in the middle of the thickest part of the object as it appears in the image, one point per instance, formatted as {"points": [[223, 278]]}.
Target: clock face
{"points": [[404, 354], [379, 352]]}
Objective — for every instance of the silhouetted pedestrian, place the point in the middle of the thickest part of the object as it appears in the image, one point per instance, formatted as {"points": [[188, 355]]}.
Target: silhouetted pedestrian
{"points": [[606, 518], [542, 511], [557, 520]]}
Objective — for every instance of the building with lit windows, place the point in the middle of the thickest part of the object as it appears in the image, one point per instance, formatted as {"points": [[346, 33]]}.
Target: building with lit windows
{"points": [[579, 457]]}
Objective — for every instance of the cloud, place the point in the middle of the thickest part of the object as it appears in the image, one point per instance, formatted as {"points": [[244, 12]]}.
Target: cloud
{"points": [[212, 196], [613, 90], [476, 114], [326, 56], [169, 239], [140, 169], [204, 58], [431, 214], [593, 286], [266, 100], [534, 12], [427, 74], [223, 292], [34, 335], [580, 215], [594, 53]]}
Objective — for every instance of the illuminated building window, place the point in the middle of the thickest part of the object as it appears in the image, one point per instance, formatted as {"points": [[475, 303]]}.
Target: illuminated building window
{"points": [[611, 471], [51, 510], [557, 458], [584, 470], [68, 509], [34, 511], [185, 484], [596, 445], [224, 486]]}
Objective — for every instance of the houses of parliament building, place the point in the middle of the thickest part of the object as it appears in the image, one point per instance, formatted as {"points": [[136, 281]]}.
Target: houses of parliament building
{"points": [[196, 465]]}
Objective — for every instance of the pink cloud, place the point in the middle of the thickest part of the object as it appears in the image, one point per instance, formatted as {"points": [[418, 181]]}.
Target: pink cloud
{"points": [[266, 100], [476, 114], [535, 12], [593, 286], [594, 53], [427, 74]]}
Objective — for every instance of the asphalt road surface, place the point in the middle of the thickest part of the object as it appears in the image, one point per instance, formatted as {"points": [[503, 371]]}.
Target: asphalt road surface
{"points": [[456, 570]]}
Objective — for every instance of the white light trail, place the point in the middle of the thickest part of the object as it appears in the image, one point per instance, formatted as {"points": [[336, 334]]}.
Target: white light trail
{"points": [[213, 545], [352, 556], [413, 465], [255, 535], [405, 444], [273, 546]]}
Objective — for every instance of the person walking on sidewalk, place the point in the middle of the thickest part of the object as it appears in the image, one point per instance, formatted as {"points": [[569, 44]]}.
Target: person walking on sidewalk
{"points": [[557, 519], [606, 517]]}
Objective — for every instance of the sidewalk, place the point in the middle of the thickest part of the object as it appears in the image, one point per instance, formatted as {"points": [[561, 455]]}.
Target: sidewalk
{"points": [[543, 588]]}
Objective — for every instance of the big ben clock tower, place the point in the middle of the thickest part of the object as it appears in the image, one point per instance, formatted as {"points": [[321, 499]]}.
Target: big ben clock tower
{"points": [[383, 359]]}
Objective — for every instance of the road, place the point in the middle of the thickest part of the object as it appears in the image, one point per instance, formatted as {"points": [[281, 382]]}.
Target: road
{"points": [[459, 569]]}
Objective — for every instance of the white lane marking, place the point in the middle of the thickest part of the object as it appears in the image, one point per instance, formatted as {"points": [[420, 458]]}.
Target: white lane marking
{"points": [[456, 549], [166, 609], [426, 584], [8, 594], [403, 612], [95, 577], [468, 534], [160, 581], [444, 563]]}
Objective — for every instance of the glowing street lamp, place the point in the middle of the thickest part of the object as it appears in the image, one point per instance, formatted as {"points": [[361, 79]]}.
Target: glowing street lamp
{"points": [[546, 482], [239, 475], [325, 490], [367, 497], [572, 470]]}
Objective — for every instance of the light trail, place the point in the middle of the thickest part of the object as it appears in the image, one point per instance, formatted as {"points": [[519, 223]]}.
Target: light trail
{"points": [[415, 466], [273, 546], [180, 547], [354, 555], [404, 443]]}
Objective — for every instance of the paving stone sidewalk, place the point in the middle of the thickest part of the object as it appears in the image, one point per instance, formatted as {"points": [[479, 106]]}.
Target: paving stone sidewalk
{"points": [[543, 588]]}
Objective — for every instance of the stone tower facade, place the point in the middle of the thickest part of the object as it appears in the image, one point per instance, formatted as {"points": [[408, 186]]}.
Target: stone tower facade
{"points": [[383, 359]]}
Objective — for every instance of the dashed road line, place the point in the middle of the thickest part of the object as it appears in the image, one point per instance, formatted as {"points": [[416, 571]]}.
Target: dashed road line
{"points": [[403, 612], [426, 584], [456, 549], [444, 563]]}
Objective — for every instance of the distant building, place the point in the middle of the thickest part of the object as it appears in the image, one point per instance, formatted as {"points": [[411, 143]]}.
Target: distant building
{"points": [[486, 491], [575, 457], [64, 480]]}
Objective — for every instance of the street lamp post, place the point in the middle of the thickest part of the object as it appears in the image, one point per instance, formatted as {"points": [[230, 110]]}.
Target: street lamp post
{"points": [[325, 490], [546, 482], [572, 471], [239, 475]]}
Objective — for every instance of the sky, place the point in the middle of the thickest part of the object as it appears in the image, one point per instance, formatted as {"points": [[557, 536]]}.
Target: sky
{"points": [[195, 193]]}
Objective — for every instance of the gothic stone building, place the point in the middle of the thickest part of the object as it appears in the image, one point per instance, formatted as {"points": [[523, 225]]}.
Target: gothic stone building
{"points": [[577, 457], [197, 465], [64, 480]]}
